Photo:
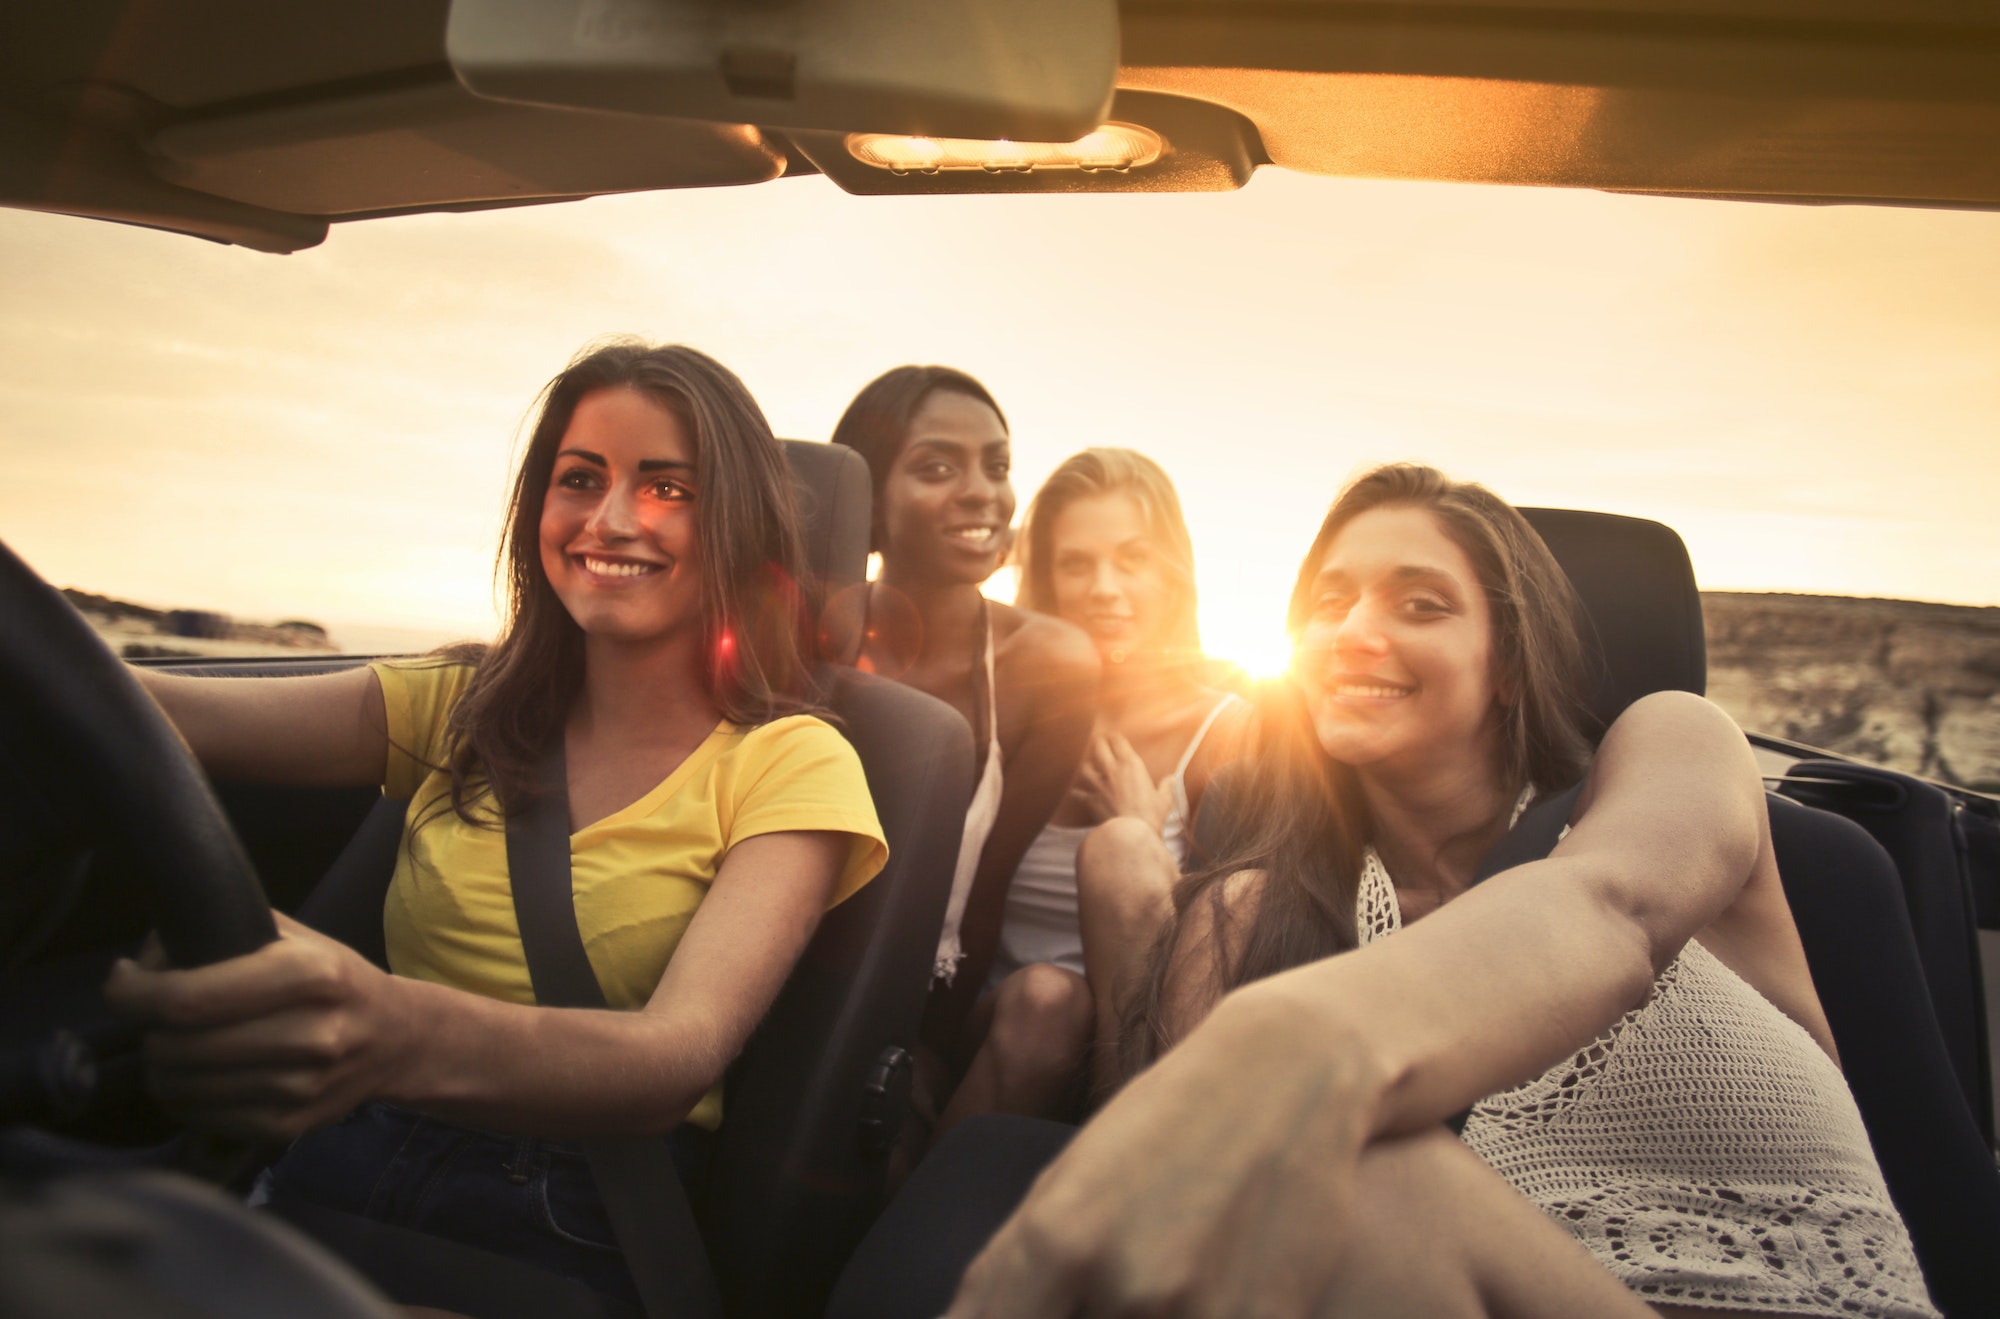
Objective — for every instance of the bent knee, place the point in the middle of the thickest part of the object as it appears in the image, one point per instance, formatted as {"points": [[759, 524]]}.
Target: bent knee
{"points": [[1042, 991], [1042, 1008]]}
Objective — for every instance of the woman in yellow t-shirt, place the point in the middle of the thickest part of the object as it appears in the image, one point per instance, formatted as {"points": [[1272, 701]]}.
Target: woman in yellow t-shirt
{"points": [[654, 627]]}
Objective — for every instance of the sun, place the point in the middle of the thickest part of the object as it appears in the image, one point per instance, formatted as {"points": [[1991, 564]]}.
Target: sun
{"points": [[1242, 626], [1248, 633]]}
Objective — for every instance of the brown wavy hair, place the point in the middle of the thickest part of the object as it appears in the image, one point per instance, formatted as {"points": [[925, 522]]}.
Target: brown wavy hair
{"points": [[1107, 471], [753, 617], [1299, 817]]}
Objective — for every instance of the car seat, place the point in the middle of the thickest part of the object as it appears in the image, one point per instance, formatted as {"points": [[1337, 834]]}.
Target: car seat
{"points": [[819, 1094], [1886, 932], [1922, 828], [817, 1097]]}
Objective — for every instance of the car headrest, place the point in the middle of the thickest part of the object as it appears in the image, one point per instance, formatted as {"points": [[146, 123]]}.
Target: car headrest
{"points": [[835, 507], [1644, 611]]}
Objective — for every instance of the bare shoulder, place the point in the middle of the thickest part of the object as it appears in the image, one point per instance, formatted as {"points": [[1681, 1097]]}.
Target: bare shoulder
{"points": [[1036, 644], [1222, 743], [1673, 741], [1676, 717], [1232, 724], [1672, 745]]}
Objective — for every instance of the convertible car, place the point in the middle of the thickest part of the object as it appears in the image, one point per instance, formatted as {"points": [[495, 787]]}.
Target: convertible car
{"points": [[264, 122]]}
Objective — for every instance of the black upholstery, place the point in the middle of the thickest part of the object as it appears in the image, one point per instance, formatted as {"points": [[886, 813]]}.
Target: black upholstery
{"points": [[347, 903], [952, 1205], [1638, 590], [836, 502], [1917, 825], [1848, 900], [813, 1101]]}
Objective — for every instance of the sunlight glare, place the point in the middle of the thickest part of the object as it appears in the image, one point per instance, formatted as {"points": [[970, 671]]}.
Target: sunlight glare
{"points": [[1247, 632]]}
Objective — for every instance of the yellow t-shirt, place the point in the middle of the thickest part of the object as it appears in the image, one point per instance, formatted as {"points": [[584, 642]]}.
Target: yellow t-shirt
{"points": [[637, 875]]}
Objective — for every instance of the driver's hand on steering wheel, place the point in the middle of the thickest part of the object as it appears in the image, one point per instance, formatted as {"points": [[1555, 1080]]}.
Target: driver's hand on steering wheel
{"points": [[268, 1045]]}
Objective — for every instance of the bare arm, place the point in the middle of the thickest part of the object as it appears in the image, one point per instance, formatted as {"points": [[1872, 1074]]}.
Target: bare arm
{"points": [[1544, 956], [1252, 1126], [326, 730], [296, 1034]]}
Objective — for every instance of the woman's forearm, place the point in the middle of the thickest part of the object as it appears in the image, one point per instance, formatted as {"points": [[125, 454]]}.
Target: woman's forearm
{"points": [[554, 1071], [326, 729], [1504, 980], [1474, 999], [295, 1034]]}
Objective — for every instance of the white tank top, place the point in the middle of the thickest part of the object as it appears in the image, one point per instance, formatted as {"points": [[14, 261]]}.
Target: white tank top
{"points": [[1041, 920], [1704, 1149], [979, 816]]}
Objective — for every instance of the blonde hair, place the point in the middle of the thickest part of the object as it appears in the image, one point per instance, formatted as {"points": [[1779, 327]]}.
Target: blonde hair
{"points": [[1109, 471]]}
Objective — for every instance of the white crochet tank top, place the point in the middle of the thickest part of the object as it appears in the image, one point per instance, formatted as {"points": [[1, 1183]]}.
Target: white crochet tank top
{"points": [[1704, 1149]]}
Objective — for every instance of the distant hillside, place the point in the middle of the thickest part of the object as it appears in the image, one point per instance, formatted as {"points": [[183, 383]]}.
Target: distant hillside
{"points": [[1909, 685], [135, 631], [1897, 682]]}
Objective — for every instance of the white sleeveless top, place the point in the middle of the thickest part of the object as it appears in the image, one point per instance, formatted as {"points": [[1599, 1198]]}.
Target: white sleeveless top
{"points": [[1704, 1149], [1041, 922], [979, 816]]}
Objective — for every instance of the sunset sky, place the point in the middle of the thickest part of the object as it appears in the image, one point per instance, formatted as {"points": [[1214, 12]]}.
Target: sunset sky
{"points": [[1811, 396]]}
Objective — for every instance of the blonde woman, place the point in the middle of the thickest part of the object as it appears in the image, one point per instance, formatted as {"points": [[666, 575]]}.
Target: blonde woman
{"points": [[1104, 547]]}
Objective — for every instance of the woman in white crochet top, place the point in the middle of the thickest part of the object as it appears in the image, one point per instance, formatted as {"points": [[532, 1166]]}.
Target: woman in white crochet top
{"points": [[1658, 1124]]}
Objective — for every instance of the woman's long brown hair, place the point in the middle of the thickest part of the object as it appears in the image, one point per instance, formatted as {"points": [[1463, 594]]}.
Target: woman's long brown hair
{"points": [[754, 625], [1299, 817]]}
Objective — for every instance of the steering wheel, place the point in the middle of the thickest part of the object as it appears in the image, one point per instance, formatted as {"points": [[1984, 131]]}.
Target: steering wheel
{"points": [[75, 723]]}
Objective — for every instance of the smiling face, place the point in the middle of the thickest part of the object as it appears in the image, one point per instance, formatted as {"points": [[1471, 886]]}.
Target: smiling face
{"points": [[1109, 577], [1396, 654], [618, 521], [946, 502]]}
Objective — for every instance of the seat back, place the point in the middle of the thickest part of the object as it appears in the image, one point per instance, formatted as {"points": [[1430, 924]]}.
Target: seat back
{"points": [[1848, 899], [1643, 613], [1918, 825], [836, 503], [816, 1098]]}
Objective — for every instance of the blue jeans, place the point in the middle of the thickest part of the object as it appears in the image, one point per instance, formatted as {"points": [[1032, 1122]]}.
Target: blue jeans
{"points": [[531, 1200]]}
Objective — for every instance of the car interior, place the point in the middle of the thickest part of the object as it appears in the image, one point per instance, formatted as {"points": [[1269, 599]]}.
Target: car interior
{"points": [[262, 124]]}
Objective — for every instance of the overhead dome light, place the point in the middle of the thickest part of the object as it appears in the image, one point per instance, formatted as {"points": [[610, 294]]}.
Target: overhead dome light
{"points": [[1114, 146]]}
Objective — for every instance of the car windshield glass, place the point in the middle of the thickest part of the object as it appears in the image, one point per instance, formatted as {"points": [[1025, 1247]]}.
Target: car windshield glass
{"points": [[1807, 394]]}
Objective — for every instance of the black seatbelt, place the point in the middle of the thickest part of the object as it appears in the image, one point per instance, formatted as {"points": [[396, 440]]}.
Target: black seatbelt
{"points": [[1533, 837], [642, 1189]]}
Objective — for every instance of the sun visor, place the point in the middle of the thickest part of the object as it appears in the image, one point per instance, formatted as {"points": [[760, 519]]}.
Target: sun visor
{"points": [[1035, 70]]}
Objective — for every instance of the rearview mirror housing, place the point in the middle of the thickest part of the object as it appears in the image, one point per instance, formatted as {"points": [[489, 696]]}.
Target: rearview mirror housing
{"points": [[1037, 70]]}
